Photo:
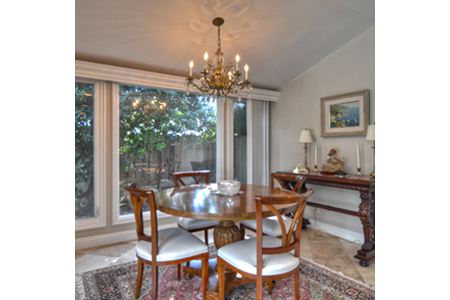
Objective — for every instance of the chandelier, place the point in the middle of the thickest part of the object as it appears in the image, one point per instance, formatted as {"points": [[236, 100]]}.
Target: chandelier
{"points": [[219, 82]]}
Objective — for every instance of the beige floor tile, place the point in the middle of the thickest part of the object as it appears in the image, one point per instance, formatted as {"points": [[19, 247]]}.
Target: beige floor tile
{"points": [[332, 252]]}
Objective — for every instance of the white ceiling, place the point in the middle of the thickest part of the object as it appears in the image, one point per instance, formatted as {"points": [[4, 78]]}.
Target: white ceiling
{"points": [[279, 40]]}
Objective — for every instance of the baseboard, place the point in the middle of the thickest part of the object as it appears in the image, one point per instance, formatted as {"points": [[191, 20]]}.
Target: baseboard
{"points": [[130, 235], [111, 238], [345, 234]]}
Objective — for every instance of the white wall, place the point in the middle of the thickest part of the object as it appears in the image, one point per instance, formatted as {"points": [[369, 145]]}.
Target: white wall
{"points": [[351, 68]]}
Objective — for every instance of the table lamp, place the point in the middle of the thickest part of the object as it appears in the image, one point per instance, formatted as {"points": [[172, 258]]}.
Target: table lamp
{"points": [[306, 137], [371, 137]]}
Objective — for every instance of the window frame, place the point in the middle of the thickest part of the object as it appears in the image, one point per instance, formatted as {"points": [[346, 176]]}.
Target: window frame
{"points": [[99, 219], [120, 75]]}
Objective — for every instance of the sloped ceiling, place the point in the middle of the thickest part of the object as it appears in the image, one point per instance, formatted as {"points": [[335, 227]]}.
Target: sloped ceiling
{"points": [[279, 40]]}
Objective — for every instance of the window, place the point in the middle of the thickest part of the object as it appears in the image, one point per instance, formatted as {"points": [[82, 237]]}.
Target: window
{"points": [[161, 132], [89, 159], [240, 141], [84, 150], [187, 133]]}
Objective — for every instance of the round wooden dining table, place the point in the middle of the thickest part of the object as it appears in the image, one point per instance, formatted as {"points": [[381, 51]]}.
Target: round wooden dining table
{"points": [[202, 202]]}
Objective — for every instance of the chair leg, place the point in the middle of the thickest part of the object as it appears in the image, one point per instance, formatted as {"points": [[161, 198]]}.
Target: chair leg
{"points": [[205, 269], [297, 283], [259, 289], [179, 272], [154, 281], [242, 232], [221, 273], [139, 279], [270, 285]]}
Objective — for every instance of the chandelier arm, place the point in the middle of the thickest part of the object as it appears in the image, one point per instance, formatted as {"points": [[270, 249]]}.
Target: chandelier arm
{"points": [[199, 88], [229, 66]]}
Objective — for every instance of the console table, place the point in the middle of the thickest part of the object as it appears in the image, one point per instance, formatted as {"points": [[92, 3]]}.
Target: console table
{"points": [[366, 187]]}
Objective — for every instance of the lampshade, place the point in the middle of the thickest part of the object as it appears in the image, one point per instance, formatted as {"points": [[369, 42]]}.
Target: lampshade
{"points": [[305, 137], [370, 133]]}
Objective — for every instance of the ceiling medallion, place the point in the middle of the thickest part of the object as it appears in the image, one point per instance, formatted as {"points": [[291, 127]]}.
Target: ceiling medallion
{"points": [[218, 81]]}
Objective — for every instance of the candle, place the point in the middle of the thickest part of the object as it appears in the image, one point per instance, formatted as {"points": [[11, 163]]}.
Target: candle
{"points": [[317, 150], [191, 64], [237, 61], [315, 157], [357, 157], [246, 71], [206, 58]]}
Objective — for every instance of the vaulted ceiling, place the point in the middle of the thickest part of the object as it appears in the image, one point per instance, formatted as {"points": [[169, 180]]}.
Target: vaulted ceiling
{"points": [[279, 40]]}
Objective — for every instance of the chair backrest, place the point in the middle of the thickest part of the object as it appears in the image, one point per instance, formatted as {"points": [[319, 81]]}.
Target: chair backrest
{"points": [[286, 181], [289, 240], [138, 198], [201, 174]]}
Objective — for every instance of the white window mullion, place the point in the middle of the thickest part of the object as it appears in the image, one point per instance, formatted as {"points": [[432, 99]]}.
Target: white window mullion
{"points": [[249, 141], [229, 138], [220, 140]]}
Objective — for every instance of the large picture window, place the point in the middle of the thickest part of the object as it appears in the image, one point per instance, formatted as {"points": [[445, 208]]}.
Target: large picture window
{"points": [[154, 129], [161, 132]]}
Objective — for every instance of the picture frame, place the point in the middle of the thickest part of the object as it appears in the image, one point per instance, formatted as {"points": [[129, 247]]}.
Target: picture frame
{"points": [[345, 114]]}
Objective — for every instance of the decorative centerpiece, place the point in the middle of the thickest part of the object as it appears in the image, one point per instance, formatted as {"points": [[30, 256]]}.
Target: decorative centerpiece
{"points": [[333, 164], [228, 187]]}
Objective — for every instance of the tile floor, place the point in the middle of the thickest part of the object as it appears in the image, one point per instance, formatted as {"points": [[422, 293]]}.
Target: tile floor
{"points": [[332, 252]]}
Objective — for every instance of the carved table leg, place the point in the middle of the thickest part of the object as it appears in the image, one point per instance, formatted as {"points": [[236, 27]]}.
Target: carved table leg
{"points": [[367, 216], [226, 233]]}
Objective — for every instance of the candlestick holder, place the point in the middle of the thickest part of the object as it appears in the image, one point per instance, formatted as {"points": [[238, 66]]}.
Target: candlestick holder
{"points": [[359, 172], [315, 169]]}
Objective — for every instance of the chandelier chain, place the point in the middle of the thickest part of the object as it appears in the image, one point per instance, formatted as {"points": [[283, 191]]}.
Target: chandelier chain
{"points": [[219, 50]]}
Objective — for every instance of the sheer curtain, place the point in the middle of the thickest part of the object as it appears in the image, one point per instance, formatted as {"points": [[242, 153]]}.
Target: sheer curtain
{"points": [[258, 142]]}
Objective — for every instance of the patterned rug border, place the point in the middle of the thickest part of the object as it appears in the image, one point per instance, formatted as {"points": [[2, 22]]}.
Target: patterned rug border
{"points": [[80, 285], [337, 273]]}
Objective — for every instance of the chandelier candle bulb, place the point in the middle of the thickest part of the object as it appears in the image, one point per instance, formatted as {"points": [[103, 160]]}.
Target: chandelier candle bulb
{"points": [[246, 71], [206, 58], [191, 64], [237, 62]]}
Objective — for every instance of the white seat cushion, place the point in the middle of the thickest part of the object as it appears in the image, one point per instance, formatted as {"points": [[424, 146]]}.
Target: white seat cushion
{"points": [[173, 244], [271, 226], [242, 255], [192, 224]]}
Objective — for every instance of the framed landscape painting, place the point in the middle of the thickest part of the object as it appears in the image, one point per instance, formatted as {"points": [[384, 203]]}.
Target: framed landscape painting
{"points": [[345, 115]]}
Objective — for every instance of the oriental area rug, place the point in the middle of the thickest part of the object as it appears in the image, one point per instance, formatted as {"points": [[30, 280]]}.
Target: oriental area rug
{"points": [[119, 282]]}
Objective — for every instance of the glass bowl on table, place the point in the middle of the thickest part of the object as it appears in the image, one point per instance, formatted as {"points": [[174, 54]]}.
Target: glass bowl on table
{"points": [[228, 187]]}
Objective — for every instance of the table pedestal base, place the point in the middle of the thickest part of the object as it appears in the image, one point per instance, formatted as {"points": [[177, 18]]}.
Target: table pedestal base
{"points": [[225, 233]]}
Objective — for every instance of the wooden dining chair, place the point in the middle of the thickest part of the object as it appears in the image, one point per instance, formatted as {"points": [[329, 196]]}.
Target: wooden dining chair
{"points": [[271, 226], [265, 258], [169, 246], [188, 224]]}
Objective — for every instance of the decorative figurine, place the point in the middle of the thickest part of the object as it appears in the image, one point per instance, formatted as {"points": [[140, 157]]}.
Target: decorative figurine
{"points": [[333, 164]]}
